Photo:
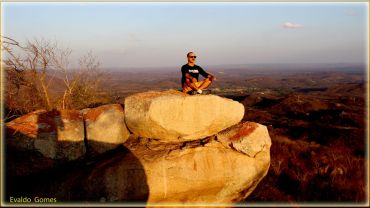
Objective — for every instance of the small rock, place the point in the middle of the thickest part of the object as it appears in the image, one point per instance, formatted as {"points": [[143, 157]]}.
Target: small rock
{"points": [[248, 138], [105, 127]]}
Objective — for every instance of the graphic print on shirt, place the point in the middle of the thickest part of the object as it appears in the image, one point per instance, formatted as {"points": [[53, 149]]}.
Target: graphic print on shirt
{"points": [[193, 71]]}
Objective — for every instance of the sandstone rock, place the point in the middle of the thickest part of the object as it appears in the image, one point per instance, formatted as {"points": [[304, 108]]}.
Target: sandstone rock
{"points": [[155, 172], [174, 116], [209, 174], [105, 127], [248, 137], [170, 158], [53, 134]]}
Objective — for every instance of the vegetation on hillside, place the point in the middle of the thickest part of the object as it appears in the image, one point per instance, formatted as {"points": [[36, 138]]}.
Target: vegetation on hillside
{"points": [[32, 70], [318, 145]]}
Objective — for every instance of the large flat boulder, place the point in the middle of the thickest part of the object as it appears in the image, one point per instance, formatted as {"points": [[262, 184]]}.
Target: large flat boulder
{"points": [[53, 134], [105, 127], [174, 116]]}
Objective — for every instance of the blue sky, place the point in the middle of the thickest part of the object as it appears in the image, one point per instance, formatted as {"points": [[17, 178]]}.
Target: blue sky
{"points": [[160, 34]]}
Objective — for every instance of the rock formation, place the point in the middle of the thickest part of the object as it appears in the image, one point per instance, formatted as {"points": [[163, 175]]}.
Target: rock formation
{"points": [[183, 149], [54, 134], [202, 171], [171, 116], [105, 127], [249, 138]]}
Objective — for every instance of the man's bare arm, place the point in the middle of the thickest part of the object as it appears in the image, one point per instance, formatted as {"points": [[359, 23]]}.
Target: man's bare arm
{"points": [[211, 77]]}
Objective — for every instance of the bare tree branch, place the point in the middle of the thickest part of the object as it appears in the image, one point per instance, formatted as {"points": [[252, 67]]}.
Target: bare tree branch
{"points": [[31, 74]]}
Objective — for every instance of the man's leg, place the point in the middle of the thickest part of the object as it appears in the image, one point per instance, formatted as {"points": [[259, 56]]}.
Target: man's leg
{"points": [[204, 84], [188, 85], [185, 88], [192, 85]]}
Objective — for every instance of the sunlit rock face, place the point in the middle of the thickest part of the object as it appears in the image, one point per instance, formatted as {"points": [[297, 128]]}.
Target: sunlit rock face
{"points": [[200, 171], [105, 127], [248, 138], [173, 116]]}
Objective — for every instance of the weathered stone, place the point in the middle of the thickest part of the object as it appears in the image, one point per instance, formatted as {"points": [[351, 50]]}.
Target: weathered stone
{"points": [[175, 116], [177, 153], [249, 138], [54, 134], [209, 174], [105, 127], [157, 172]]}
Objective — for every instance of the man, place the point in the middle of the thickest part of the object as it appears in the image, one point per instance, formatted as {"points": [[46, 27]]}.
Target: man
{"points": [[190, 74]]}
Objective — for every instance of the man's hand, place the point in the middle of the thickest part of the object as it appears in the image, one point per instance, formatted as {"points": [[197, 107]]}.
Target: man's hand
{"points": [[211, 77]]}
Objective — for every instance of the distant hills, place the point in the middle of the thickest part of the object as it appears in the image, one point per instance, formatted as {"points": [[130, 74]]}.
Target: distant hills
{"points": [[338, 67]]}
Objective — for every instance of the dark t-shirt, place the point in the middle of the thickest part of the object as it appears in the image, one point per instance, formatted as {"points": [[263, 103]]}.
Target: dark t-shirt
{"points": [[194, 71]]}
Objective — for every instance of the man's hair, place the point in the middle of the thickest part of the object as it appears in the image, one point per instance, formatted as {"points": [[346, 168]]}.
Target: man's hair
{"points": [[187, 55]]}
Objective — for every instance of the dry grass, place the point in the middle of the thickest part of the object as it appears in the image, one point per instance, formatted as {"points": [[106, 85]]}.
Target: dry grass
{"points": [[318, 146], [304, 171]]}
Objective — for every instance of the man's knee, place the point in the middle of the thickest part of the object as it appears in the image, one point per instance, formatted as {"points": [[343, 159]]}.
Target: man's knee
{"points": [[188, 81], [208, 79]]}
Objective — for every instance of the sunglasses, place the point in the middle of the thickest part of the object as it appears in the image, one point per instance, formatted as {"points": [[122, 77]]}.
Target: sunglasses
{"points": [[192, 56]]}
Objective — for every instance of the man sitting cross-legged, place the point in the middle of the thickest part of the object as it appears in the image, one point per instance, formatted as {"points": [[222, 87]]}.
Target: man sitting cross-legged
{"points": [[190, 74]]}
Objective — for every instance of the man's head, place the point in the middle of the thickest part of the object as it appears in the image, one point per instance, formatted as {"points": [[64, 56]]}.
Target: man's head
{"points": [[191, 57]]}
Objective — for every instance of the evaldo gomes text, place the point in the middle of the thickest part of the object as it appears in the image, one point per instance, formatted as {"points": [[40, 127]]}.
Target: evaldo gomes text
{"points": [[32, 200]]}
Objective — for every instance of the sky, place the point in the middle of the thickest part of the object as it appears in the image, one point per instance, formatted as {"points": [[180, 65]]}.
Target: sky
{"points": [[160, 34]]}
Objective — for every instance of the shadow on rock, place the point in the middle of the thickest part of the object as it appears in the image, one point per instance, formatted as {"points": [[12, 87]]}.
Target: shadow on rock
{"points": [[46, 156], [115, 176]]}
